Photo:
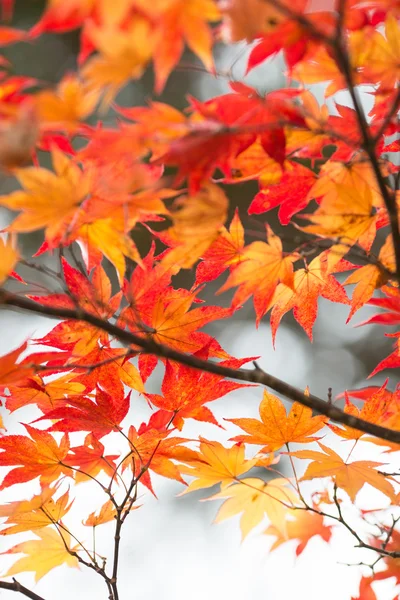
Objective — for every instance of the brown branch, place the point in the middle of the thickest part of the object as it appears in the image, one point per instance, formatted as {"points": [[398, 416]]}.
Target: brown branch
{"points": [[15, 586], [255, 375]]}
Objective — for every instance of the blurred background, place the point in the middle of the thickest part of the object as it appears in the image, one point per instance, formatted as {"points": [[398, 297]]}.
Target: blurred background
{"points": [[171, 550]]}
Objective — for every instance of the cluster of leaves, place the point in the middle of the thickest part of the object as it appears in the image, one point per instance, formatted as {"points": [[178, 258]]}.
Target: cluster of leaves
{"points": [[332, 160]]}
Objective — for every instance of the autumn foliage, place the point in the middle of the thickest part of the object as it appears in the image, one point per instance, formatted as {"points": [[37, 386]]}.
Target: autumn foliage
{"points": [[329, 167]]}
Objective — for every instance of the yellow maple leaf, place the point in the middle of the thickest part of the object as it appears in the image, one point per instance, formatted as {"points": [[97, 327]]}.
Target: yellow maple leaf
{"points": [[49, 199], [102, 238], [43, 554], [67, 105], [123, 55], [9, 258], [41, 510], [216, 464], [256, 498], [349, 217], [371, 277], [197, 223], [381, 63]]}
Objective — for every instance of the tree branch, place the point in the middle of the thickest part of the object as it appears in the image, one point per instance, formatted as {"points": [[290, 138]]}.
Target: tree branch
{"points": [[255, 375], [15, 586]]}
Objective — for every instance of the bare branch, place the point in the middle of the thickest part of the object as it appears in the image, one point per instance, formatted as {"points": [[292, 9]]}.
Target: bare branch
{"points": [[15, 586], [255, 375]]}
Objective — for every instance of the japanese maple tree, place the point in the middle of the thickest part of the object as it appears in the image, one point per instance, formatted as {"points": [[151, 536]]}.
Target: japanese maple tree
{"points": [[331, 169]]}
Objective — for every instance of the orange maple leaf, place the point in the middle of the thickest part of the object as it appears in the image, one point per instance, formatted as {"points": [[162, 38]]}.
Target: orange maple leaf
{"points": [[82, 414], [224, 253], [276, 428], [106, 514], [371, 277], [309, 284], [89, 460], [380, 408], [177, 22], [44, 395], [37, 456], [350, 477], [152, 450], [262, 267], [92, 295], [11, 371], [41, 510], [185, 390], [301, 526]]}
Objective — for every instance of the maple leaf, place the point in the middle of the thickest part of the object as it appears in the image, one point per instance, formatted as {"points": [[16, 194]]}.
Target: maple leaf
{"points": [[348, 218], [114, 371], [90, 459], [215, 464], [318, 64], [101, 238], [309, 284], [379, 408], [40, 511], [247, 19], [350, 477], [381, 64], [262, 267], [393, 360], [290, 193], [276, 428], [37, 456], [301, 526], [93, 296], [226, 126], [156, 126], [197, 222], [12, 372], [51, 550], [45, 396], [162, 313], [64, 108], [82, 414], [106, 514], [123, 55], [256, 499], [391, 304], [152, 449], [371, 277], [186, 390], [59, 17], [224, 253], [9, 258], [181, 21], [49, 200]]}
